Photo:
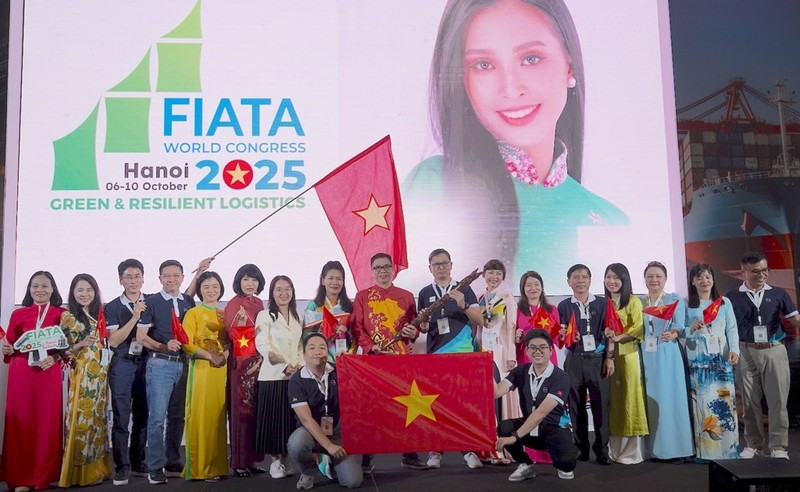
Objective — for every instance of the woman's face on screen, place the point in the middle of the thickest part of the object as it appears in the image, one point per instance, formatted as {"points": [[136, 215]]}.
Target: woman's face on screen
{"points": [[516, 73]]}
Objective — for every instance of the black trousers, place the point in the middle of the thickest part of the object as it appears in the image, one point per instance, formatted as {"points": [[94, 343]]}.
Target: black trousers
{"points": [[128, 400], [553, 439], [586, 375]]}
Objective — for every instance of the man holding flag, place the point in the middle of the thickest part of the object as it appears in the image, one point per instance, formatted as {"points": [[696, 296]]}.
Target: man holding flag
{"points": [[165, 375], [589, 362], [378, 313], [764, 367]]}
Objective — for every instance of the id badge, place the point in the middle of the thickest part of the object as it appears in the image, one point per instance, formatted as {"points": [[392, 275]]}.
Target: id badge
{"points": [[326, 423], [489, 340], [341, 346], [443, 326], [712, 344], [105, 357], [135, 348], [588, 343], [760, 334], [36, 356], [651, 344], [535, 431]]}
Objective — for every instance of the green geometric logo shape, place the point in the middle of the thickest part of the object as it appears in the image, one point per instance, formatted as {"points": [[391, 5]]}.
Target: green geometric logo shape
{"points": [[138, 80], [190, 27], [127, 124], [178, 67], [75, 162]]}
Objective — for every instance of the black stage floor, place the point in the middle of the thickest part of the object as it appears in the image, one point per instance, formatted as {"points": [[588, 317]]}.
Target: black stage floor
{"points": [[455, 476]]}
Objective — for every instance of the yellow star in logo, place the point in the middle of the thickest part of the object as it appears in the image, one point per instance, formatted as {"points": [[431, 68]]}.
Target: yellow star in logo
{"points": [[238, 174], [374, 215], [243, 342], [417, 403]]}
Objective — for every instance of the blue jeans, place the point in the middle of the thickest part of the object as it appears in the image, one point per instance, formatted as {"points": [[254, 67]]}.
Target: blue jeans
{"points": [[301, 446], [176, 420], [128, 399], [163, 379]]}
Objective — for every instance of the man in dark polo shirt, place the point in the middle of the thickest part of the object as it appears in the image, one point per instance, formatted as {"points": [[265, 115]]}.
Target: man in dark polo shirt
{"points": [[126, 374], [166, 387], [589, 362], [314, 396], [449, 329], [545, 424], [763, 368]]}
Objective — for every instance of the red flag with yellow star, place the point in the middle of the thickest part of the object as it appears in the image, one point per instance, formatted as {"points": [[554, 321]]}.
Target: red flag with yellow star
{"points": [[663, 312], [710, 313], [613, 320], [407, 403], [572, 329], [542, 319], [244, 341], [362, 201], [329, 323]]}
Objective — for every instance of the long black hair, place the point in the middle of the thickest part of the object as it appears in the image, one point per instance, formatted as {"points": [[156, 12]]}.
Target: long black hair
{"points": [[55, 297], [523, 305], [93, 308], [273, 307], [626, 290], [344, 302], [694, 297]]}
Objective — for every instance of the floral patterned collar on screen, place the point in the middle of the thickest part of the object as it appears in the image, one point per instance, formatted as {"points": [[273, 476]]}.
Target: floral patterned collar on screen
{"points": [[520, 165]]}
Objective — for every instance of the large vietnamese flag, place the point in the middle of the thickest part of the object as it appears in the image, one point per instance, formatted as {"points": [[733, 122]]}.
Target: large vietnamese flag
{"points": [[407, 403], [362, 201]]}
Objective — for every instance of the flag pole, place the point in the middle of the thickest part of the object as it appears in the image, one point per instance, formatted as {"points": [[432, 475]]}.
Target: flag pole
{"points": [[349, 161]]}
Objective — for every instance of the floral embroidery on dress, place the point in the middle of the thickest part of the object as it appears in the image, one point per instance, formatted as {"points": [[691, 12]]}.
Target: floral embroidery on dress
{"points": [[521, 166]]}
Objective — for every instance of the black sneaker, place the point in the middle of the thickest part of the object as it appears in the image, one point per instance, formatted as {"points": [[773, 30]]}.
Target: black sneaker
{"points": [[138, 470], [414, 464], [173, 470], [156, 477], [120, 477]]}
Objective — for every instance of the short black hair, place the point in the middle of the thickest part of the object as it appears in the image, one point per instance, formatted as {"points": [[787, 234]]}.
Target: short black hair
{"points": [[494, 265], [578, 266], [130, 263], [169, 263], [538, 333], [439, 251], [378, 256], [752, 257], [313, 335], [248, 270], [205, 276]]}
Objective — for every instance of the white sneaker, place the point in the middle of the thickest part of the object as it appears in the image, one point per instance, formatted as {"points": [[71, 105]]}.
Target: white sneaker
{"points": [[566, 475], [523, 472], [473, 461], [434, 459], [306, 482], [779, 453], [277, 470], [749, 453]]}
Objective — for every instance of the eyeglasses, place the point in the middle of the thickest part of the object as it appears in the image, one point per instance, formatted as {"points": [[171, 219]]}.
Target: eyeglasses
{"points": [[441, 264], [131, 277], [759, 271], [378, 268], [538, 348]]}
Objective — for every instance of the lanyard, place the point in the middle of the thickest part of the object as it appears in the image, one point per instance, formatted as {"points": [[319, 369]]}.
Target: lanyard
{"points": [[756, 298], [440, 294], [322, 384], [40, 317], [585, 314], [652, 303]]}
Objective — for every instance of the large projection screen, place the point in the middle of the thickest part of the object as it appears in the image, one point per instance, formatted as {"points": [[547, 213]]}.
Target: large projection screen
{"points": [[134, 118]]}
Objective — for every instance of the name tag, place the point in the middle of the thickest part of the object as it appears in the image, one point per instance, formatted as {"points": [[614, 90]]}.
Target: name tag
{"points": [[712, 344], [489, 340], [760, 334], [326, 423], [651, 344], [432, 299], [443, 326], [105, 357], [135, 348], [588, 343], [36, 356], [341, 346]]}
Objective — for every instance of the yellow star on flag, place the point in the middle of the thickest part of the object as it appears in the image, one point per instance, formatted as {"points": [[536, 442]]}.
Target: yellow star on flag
{"points": [[238, 174], [543, 323], [374, 215], [714, 311], [417, 403], [660, 309], [243, 342]]}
